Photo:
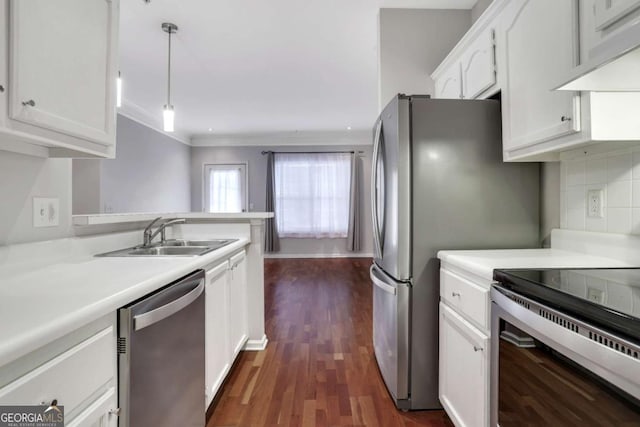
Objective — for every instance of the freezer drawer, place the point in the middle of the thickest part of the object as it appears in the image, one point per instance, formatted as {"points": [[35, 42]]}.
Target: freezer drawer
{"points": [[391, 332]]}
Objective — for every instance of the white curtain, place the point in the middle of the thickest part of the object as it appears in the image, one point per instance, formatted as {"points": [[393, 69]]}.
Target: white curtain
{"points": [[312, 194], [225, 190]]}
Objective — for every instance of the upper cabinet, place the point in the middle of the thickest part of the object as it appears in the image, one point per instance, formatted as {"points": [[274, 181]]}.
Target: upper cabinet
{"points": [[470, 69], [526, 49], [534, 60], [59, 98], [478, 64]]}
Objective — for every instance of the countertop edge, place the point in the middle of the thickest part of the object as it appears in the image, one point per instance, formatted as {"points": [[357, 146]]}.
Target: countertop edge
{"points": [[14, 347]]}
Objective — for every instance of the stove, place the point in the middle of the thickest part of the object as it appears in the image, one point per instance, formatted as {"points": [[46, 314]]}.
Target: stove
{"points": [[608, 298], [565, 347]]}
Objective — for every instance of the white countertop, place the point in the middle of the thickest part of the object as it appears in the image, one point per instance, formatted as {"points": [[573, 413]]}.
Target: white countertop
{"points": [[117, 218], [483, 262], [41, 304]]}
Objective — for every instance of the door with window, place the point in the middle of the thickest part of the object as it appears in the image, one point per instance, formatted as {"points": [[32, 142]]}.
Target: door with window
{"points": [[225, 188]]}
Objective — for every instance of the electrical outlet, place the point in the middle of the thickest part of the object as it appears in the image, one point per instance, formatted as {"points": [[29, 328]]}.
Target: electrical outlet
{"points": [[595, 295], [595, 208], [46, 212]]}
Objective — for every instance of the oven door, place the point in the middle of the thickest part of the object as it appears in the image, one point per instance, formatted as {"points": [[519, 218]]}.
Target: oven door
{"points": [[548, 369]]}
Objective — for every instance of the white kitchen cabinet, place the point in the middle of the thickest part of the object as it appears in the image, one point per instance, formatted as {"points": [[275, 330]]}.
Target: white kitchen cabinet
{"points": [[535, 58], [470, 70], [464, 370], [448, 84], [465, 330], [608, 12], [238, 316], [218, 357], [62, 67], [78, 370], [478, 65]]}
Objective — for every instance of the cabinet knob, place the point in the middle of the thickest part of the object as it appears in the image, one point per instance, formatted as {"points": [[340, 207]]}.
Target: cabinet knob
{"points": [[115, 412], [455, 294], [30, 103], [476, 348], [565, 119], [1, 88]]}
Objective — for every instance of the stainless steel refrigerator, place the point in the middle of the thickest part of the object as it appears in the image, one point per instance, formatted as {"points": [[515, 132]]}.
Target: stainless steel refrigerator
{"points": [[438, 182]]}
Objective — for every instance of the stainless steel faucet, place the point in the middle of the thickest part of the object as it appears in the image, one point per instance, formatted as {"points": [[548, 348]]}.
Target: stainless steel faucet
{"points": [[149, 235]]}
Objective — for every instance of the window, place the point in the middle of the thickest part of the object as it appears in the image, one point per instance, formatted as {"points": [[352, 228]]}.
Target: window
{"points": [[312, 194], [225, 188]]}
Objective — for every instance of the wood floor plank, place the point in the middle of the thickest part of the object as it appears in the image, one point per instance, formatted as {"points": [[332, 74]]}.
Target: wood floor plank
{"points": [[318, 369]]}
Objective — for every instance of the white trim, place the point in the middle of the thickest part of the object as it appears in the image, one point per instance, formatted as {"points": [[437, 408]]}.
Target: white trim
{"points": [[256, 345], [332, 255], [142, 116], [313, 138]]}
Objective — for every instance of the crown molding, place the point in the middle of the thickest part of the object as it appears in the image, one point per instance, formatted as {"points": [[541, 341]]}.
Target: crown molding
{"points": [[311, 138]]}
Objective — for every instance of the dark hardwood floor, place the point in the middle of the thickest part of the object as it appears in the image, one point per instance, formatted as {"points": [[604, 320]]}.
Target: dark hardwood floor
{"points": [[318, 368]]}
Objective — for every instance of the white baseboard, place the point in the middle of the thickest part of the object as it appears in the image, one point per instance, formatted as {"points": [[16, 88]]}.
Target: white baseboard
{"points": [[256, 345], [340, 255]]}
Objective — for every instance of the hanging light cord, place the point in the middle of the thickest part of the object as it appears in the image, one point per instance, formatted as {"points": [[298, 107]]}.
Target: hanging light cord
{"points": [[169, 70]]}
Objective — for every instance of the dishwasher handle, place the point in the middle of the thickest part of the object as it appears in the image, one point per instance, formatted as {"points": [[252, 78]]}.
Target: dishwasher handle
{"points": [[143, 320]]}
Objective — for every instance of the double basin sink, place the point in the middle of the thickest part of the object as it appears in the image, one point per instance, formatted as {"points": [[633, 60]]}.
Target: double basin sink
{"points": [[177, 247]]}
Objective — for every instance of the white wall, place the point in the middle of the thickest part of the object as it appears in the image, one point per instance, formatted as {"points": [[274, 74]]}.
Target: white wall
{"points": [[478, 8], [257, 170], [151, 173], [412, 43], [549, 200], [618, 175], [21, 179]]}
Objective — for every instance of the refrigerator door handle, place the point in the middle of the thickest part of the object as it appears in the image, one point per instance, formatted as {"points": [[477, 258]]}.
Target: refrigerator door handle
{"points": [[379, 283], [377, 245]]}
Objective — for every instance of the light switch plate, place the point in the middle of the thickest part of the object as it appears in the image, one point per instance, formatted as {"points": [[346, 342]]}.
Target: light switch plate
{"points": [[46, 212]]}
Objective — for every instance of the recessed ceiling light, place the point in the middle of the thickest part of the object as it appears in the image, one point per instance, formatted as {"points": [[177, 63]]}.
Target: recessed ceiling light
{"points": [[210, 129], [348, 127]]}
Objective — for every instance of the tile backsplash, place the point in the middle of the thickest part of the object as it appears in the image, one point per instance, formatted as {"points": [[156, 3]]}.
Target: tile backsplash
{"points": [[617, 174]]}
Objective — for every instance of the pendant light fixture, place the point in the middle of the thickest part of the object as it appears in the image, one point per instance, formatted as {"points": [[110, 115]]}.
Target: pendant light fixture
{"points": [[169, 113], [119, 90]]}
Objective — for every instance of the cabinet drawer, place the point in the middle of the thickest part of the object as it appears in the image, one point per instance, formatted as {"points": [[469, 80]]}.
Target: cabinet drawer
{"points": [[71, 377], [471, 300]]}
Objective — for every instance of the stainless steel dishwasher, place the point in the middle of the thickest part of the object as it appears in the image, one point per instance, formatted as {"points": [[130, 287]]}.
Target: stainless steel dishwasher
{"points": [[161, 357]]}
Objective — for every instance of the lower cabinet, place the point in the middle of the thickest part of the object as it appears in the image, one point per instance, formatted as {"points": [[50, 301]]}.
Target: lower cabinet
{"points": [[464, 370], [78, 371], [218, 360], [226, 320], [238, 321]]}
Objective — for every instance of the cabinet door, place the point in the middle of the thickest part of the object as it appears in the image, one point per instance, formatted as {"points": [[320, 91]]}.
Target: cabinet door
{"points": [[238, 323], [606, 12], [536, 57], [479, 65], [62, 66], [448, 85], [101, 413], [218, 361], [464, 370]]}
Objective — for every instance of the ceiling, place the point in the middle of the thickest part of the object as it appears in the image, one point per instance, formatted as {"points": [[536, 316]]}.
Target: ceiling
{"points": [[256, 66]]}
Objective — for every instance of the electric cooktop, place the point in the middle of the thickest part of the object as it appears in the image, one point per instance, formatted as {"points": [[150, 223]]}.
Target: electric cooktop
{"points": [[605, 297]]}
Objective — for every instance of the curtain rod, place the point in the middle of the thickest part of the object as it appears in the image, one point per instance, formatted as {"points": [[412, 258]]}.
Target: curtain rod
{"points": [[312, 152]]}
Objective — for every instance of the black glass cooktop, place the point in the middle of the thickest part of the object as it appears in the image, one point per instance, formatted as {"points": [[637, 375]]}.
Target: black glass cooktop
{"points": [[608, 298]]}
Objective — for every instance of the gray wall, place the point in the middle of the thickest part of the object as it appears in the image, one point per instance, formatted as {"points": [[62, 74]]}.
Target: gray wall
{"points": [[478, 8], [151, 173], [549, 200], [413, 42], [257, 170], [21, 179]]}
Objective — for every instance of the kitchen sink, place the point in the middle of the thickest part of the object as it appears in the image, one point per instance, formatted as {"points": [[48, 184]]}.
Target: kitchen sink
{"points": [[172, 248]]}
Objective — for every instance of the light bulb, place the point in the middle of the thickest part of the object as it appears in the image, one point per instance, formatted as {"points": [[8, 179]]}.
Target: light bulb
{"points": [[169, 116]]}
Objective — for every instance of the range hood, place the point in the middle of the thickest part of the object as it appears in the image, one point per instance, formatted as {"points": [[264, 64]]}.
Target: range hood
{"points": [[613, 65]]}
